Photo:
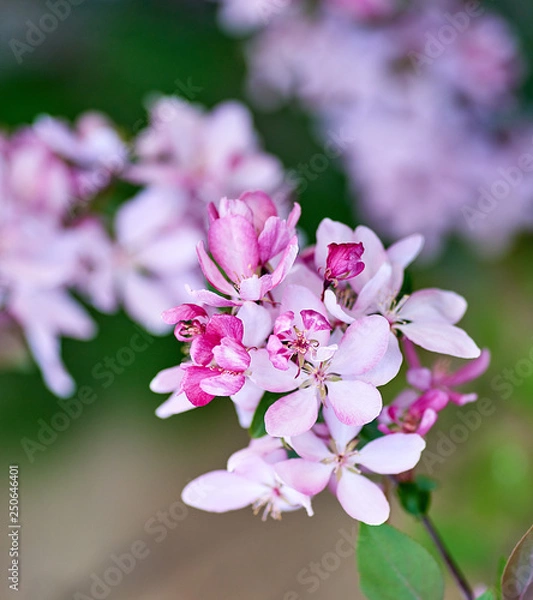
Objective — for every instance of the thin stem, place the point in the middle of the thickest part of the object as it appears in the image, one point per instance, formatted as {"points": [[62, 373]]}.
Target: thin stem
{"points": [[450, 563]]}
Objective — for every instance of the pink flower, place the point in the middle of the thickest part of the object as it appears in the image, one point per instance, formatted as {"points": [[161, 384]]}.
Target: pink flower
{"points": [[345, 378], [207, 155], [412, 412], [219, 361], [339, 462], [190, 321], [250, 479], [263, 249], [426, 317], [441, 378], [343, 262], [154, 257], [365, 9], [290, 340]]}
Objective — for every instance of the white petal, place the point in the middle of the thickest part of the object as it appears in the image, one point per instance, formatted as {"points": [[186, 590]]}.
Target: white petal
{"points": [[362, 499], [392, 454]]}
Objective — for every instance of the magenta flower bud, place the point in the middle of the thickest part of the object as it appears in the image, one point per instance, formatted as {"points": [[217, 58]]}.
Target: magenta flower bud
{"points": [[343, 262]]}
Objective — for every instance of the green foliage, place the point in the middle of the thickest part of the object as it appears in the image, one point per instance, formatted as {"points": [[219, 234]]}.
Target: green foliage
{"points": [[488, 595], [392, 566], [415, 496], [517, 579], [257, 428], [369, 433]]}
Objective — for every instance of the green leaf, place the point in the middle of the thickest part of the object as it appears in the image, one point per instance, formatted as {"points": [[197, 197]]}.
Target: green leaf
{"points": [[392, 566], [488, 595], [517, 578], [415, 496], [257, 428], [369, 433]]}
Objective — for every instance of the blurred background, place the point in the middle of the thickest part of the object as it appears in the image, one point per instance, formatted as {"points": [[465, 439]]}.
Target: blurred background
{"points": [[96, 489]]}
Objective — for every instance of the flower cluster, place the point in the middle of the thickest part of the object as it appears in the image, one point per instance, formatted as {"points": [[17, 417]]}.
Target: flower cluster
{"points": [[59, 234], [416, 90], [307, 338]]}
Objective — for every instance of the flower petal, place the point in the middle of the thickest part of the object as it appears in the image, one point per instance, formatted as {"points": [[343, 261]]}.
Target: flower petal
{"points": [[362, 499], [293, 414], [434, 305], [363, 345], [392, 454], [266, 376], [212, 272], [167, 380], [177, 403], [305, 476], [220, 491], [310, 446], [354, 402], [442, 338], [233, 244]]}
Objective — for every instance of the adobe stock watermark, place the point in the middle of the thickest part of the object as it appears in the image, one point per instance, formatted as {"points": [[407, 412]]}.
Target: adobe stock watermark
{"points": [[438, 41], [71, 409], [312, 576], [470, 418], [489, 198], [37, 32], [120, 566], [169, 107], [298, 179]]}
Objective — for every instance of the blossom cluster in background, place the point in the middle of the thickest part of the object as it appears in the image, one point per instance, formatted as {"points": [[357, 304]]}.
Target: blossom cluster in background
{"points": [[59, 233], [320, 330], [422, 91]]}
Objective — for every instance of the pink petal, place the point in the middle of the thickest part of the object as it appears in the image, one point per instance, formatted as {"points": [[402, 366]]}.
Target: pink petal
{"points": [[231, 355], [167, 380], [374, 288], [335, 309], [434, 305], [223, 384], [375, 255], [310, 446], [212, 299], [273, 239], [257, 323], [429, 418], [220, 491], [285, 263], [469, 372], [354, 402], [305, 476], [314, 321], [293, 414], [233, 244], [420, 378], [330, 231], [262, 207], [184, 312], [341, 433], [177, 403], [362, 499], [294, 216], [441, 338], [266, 376], [212, 272], [388, 367], [404, 252], [191, 382], [392, 454], [362, 346]]}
